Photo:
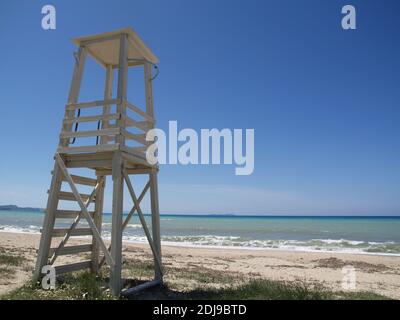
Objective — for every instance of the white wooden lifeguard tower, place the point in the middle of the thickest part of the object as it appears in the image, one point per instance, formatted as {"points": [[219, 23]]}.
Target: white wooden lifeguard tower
{"points": [[113, 149]]}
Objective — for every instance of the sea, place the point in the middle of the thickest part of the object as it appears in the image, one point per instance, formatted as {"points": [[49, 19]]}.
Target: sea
{"points": [[351, 234]]}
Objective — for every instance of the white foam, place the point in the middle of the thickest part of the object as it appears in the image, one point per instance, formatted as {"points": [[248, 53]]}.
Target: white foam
{"points": [[235, 242]]}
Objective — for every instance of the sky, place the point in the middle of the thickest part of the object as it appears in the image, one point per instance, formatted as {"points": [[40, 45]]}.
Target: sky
{"points": [[323, 101]]}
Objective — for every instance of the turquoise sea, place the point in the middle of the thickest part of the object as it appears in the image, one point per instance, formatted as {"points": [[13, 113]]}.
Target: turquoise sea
{"points": [[370, 235]]}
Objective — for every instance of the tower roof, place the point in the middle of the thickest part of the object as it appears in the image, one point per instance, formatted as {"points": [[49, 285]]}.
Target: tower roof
{"points": [[104, 47]]}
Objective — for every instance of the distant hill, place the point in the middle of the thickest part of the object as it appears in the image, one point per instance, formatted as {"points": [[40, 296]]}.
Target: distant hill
{"points": [[13, 207]]}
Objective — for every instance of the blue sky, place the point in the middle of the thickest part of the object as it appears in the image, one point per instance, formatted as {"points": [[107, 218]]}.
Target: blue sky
{"points": [[324, 102]]}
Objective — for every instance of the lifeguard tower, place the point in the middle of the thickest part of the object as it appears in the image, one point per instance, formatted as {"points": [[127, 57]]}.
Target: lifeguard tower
{"points": [[116, 147]]}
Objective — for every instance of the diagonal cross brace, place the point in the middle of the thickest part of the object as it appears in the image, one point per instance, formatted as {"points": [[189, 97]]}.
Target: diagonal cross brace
{"points": [[75, 223], [130, 214], [141, 196], [142, 220], [86, 214]]}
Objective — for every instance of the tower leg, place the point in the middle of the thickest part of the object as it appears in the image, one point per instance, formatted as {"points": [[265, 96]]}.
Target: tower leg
{"points": [[155, 219], [48, 222], [98, 217], [116, 232]]}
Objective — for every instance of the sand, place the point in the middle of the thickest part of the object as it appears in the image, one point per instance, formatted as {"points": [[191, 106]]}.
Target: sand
{"points": [[374, 273]]}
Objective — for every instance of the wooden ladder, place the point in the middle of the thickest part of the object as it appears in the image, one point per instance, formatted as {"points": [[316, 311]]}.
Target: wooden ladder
{"points": [[47, 253]]}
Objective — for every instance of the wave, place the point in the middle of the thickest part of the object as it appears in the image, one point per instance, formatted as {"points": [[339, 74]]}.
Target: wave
{"points": [[132, 226], [313, 245], [236, 242], [14, 229]]}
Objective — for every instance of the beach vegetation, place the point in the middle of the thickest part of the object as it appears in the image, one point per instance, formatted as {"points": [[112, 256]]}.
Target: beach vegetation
{"points": [[87, 286]]}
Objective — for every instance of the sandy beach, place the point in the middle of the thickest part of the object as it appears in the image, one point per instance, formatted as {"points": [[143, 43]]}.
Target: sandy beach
{"points": [[378, 274]]}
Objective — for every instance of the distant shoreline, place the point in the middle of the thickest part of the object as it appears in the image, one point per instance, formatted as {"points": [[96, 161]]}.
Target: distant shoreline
{"points": [[16, 208], [13, 207]]}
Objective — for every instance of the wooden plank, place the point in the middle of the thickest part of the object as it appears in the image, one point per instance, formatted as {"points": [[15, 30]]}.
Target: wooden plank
{"points": [[72, 267], [71, 250], [83, 180], [93, 164], [141, 138], [91, 104], [88, 156], [108, 117], [68, 196], [136, 158], [142, 125], [88, 149], [91, 133], [107, 172], [139, 111], [61, 232], [138, 151], [140, 287], [69, 214]]}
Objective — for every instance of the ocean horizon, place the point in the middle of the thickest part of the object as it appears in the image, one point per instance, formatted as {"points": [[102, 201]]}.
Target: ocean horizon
{"points": [[342, 234]]}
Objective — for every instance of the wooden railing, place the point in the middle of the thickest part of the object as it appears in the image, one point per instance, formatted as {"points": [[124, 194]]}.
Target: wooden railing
{"points": [[104, 133]]}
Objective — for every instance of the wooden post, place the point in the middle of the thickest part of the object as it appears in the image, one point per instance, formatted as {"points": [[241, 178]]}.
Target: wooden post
{"points": [[107, 96], [118, 182], [98, 215], [122, 86], [98, 218], [55, 186], [155, 220], [48, 222], [155, 212], [116, 231], [74, 90], [148, 89]]}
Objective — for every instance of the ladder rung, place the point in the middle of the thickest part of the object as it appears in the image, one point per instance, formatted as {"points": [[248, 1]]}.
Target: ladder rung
{"points": [[69, 196], [69, 214], [73, 267], [61, 232], [83, 180], [71, 250]]}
